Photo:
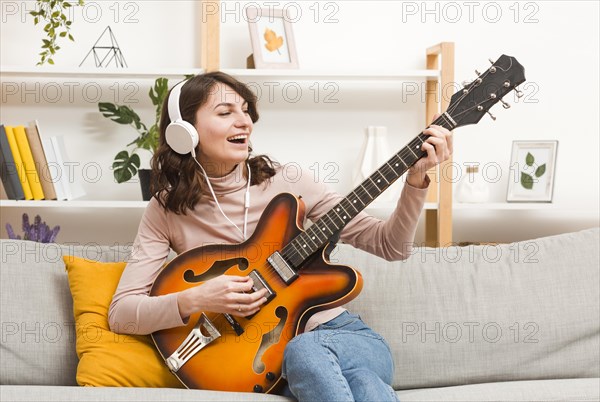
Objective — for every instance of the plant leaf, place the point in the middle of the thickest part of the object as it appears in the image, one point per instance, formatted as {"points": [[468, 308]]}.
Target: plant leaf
{"points": [[125, 166], [529, 159], [273, 42], [540, 170], [526, 181], [121, 115], [158, 95]]}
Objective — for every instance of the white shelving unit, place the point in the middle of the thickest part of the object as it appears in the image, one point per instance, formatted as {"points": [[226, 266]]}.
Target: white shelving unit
{"points": [[14, 71], [323, 75], [492, 206], [350, 76], [73, 204]]}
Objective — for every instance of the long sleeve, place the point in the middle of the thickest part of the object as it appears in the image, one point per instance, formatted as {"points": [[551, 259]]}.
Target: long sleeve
{"points": [[391, 239], [132, 309]]}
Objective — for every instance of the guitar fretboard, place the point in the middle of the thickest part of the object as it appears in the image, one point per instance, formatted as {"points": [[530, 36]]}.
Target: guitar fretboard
{"points": [[330, 224]]}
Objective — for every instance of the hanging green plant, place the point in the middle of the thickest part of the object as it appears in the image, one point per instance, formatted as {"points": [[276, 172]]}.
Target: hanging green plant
{"points": [[57, 25]]}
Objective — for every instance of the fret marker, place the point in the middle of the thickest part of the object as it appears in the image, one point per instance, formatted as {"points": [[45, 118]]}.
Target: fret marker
{"points": [[304, 246], [354, 201], [379, 181], [344, 216], [397, 165], [323, 229], [313, 237]]}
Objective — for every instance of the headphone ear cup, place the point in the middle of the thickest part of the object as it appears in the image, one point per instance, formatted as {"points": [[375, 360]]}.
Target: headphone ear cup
{"points": [[182, 137]]}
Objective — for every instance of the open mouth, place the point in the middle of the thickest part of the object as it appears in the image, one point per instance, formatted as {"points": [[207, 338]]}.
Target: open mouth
{"points": [[238, 139]]}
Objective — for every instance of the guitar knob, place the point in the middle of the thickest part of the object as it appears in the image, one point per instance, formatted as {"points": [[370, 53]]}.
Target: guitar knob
{"points": [[491, 61], [270, 376], [258, 389], [505, 105], [478, 73], [491, 115], [519, 93]]}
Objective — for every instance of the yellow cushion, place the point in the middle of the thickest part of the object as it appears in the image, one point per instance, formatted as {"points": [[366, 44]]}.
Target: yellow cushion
{"points": [[106, 358]]}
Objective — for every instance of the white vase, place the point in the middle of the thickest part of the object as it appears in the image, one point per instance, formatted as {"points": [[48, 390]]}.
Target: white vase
{"points": [[375, 152], [472, 186]]}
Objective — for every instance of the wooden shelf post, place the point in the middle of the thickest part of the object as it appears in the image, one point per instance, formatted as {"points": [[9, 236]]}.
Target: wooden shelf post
{"points": [[438, 222], [210, 15]]}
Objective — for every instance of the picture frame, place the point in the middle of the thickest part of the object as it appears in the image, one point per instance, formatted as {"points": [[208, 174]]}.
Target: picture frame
{"points": [[272, 38], [532, 170]]}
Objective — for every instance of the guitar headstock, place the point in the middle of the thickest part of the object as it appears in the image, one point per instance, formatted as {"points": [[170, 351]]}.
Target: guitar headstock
{"points": [[468, 105]]}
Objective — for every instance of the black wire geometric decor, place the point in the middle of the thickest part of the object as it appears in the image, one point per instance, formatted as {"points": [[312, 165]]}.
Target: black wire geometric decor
{"points": [[104, 53]]}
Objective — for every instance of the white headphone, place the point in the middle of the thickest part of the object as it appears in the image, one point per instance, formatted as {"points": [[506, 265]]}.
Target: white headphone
{"points": [[183, 138], [180, 135]]}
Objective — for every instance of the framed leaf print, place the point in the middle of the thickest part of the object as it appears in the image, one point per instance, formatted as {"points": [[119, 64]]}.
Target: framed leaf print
{"points": [[272, 38], [532, 169]]}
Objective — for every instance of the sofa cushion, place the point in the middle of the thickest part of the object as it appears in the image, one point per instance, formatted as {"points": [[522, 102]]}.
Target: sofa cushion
{"points": [[523, 391], [576, 389], [119, 394], [105, 358], [38, 330], [453, 316]]}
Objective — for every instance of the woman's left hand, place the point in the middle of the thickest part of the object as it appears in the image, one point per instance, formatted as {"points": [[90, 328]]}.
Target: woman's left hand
{"points": [[438, 147]]}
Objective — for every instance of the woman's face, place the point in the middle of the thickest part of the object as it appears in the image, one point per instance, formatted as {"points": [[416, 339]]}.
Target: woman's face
{"points": [[224, 127]]}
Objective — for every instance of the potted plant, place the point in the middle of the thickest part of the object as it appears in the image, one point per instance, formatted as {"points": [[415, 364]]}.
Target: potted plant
{"points": [[127, 164], [39, 232]]}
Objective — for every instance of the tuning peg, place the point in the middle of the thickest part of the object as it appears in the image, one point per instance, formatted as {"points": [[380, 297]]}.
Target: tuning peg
{"points": [[491, 115], [478, 73], [505, 105], [491, 61], [466, 83], [519, 93]]}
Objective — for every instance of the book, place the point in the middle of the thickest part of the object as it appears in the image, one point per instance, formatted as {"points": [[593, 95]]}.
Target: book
{"points": [[19, 167], [3, 195], [54, 169], [72, 184], [8, 169], [30, 170], [41, 164]]}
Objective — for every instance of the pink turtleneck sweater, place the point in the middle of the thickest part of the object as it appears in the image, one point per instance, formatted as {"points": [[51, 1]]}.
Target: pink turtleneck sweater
{"points": [[160, 231]]}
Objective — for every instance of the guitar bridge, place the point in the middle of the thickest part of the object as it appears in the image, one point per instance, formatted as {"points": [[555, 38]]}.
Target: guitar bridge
{"points": [[194, 342]]}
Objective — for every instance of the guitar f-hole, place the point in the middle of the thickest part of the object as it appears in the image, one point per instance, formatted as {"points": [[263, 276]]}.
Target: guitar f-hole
{"points": [[217, 269]]}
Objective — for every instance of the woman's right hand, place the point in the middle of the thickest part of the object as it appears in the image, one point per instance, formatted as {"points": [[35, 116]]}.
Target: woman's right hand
{"points": [[223, 294]]}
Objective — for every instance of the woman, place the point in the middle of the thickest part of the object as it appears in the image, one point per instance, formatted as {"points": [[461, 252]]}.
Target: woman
{"points": [[211, 190]]}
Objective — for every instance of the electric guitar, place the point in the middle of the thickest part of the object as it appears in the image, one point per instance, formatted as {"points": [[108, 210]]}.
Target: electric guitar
{"points": [[222, 352]]}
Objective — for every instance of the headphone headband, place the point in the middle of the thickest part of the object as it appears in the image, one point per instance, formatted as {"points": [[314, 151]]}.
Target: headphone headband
{"points": [[174, 113]]}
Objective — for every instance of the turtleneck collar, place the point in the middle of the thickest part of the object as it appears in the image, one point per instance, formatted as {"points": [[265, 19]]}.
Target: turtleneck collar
{"points": [[231, 182]]}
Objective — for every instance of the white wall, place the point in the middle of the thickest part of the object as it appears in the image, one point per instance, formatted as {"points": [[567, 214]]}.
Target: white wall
{"points": [[556, 41]]}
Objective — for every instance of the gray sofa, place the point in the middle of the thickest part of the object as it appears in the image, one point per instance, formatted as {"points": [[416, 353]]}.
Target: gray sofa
{"points": [[515, 322]]}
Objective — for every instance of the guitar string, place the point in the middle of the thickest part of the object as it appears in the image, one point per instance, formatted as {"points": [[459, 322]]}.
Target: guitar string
{"points": [[287, 250], [290, 251]]}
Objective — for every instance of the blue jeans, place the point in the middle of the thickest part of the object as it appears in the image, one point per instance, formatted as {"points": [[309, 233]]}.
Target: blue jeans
{"points": [[341, 360]]}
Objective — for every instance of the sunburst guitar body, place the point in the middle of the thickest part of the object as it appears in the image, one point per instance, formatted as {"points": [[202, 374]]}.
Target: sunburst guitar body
{"points": [[247, 353]]}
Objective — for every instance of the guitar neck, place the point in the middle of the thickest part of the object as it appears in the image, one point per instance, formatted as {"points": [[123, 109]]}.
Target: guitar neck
{"points": [[331, 223]]}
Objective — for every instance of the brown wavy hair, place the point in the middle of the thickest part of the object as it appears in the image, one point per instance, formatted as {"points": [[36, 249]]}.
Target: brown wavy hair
{"points": [[177, 183]]}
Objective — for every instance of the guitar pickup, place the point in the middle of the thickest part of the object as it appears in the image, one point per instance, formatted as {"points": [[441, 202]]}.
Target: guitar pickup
{"points": [[260, 283], [279, 264]]}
